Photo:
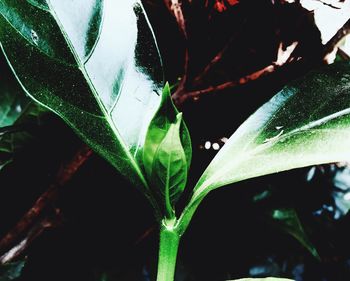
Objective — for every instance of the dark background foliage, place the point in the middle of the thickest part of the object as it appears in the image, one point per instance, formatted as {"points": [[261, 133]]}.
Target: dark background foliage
{"points": [[224, 58]]}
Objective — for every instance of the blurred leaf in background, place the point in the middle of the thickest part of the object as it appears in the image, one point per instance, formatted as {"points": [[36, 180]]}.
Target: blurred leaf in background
{"points": [[11, 271]]}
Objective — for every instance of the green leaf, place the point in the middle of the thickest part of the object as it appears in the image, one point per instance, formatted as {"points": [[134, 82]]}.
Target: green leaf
{"points": [[287, 220], [11, 271], [169, 169], [12, 98], [167, 153], [16, 110], [94, 63], [263, 279], [11, 106], [305, 124], [14, 138]]}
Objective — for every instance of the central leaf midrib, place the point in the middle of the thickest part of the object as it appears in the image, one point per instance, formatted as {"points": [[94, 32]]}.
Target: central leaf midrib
{"points": [[167, 187], [81, 67]]}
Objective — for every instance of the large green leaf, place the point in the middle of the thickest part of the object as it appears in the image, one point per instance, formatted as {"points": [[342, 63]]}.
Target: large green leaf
{"points": [[95, 63], [167, 154], [307, 123]]}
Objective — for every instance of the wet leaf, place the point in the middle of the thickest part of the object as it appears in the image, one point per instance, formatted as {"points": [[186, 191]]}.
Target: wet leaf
{"points": [[94, 63], [305, 124]]}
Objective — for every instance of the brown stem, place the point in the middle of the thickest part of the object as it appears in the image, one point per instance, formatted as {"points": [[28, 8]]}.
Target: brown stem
{"points": [[34, 213], [218, 57], [33, 233], [212, 63], [175, 7], [179, 100], [146, 234], [334, 42]]}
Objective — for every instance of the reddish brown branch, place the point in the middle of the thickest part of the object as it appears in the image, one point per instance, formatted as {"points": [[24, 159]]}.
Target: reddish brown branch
{"points": [[211, 64], [28, 220], [283, 56], [36, 230], [174, 6], [145, 234], [179, 100], [217, 58], [181, 87], [334, 42]]}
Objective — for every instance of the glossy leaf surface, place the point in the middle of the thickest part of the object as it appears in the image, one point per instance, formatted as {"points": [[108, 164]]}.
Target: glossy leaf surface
{"points": [[305, 124], [167, 153], [95, 63]]}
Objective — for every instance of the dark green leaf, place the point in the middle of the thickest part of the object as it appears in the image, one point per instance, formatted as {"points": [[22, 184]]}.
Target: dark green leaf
{"points": [[12, 98], [17, 136], [14, 137], [287, 219], [103, 77], [16, 111], [305, 124], [11, 106], [167, 153], [11, 271]]}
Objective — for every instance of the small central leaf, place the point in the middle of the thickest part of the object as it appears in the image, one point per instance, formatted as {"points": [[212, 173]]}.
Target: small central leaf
{"points": [[167, 154], [170, 166]]}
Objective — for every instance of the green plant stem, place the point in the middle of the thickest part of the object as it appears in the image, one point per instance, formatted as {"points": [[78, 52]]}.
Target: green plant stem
{"points": [[168, 246]]}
